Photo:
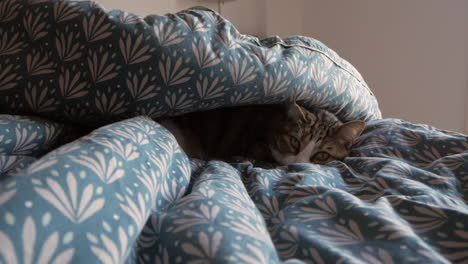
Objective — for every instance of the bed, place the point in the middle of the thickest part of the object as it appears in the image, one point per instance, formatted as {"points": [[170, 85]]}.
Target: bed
{"points": [[88, 175]]}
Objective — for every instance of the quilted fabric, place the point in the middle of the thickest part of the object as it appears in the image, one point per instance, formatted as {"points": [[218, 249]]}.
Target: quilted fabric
{"points": [[89, 200], [74, 61], [23, 139], [127, 193], [122, 194]]}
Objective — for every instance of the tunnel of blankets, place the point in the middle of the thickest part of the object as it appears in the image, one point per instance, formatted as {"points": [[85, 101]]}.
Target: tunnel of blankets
{"points": [[88, 176]]}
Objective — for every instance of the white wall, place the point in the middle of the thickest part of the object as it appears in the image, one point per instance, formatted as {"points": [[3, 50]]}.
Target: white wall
{"points": [[141, 7], [411, 52], [247, 15], [466, 67], [284, 18]]}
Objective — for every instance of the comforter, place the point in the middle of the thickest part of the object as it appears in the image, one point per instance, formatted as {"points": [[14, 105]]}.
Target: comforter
{"points": [[87, 175], [127, 193]]}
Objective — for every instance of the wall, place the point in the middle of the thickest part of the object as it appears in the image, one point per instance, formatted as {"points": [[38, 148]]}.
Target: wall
{"points": [[141, 7], [247, 15], [412, 53], [284, 18], [466, 67]]}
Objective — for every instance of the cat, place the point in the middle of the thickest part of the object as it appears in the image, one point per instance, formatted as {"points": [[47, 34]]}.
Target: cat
{"points": [[276, 134]]}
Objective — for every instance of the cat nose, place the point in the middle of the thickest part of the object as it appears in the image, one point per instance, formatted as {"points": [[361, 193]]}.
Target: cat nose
{"points": [[302, 161]]}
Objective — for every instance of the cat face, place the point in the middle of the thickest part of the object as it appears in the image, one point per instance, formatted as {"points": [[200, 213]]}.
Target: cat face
{"points": [[312, 137]]}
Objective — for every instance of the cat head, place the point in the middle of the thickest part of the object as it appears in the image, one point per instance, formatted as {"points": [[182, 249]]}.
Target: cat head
{"points": [[315, 136]]}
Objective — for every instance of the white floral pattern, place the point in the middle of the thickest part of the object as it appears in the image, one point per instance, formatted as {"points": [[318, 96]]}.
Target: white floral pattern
{"points": [[85, 65], [127, 193], [401, 183]]}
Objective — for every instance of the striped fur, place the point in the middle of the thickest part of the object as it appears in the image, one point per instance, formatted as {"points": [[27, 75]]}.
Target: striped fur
{"points": [[268, 133]]}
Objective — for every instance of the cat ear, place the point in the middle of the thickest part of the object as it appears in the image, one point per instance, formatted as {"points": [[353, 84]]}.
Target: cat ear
{"points": [[295, 112], [351, 130]]}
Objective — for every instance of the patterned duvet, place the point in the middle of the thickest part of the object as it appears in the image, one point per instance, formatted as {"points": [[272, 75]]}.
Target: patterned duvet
{"points": [[87, 176], [127, 193]]}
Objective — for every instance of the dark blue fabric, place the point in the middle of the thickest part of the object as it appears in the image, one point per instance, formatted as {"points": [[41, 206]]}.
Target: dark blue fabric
{"points": [[74, 61]]}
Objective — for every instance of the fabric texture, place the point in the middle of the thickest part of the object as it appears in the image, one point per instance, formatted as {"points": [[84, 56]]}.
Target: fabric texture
{"points": [[76, 62], [127, 193], [23, 139], [88, 200]]}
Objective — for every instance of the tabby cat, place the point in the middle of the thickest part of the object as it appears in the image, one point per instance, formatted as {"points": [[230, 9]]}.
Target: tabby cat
{"points": [[281, 134]]}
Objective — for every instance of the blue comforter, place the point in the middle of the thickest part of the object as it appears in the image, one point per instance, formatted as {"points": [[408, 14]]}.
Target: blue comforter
{"points": [[128, 193], [87, 176]]}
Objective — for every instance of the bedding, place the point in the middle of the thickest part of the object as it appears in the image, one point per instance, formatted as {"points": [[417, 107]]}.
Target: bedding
{"points": [[79, 184], [73, 61]]}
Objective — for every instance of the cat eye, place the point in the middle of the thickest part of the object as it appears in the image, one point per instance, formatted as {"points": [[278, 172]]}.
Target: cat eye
{"points": [[295, 143], [321, 156]]}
